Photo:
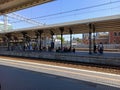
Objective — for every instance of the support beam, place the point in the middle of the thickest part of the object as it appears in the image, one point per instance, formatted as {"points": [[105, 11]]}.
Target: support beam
{"points": [[61, 31], [40, 37], [90, 41], [37, 39], [94, 43], [24, 39], [70, 30], [52, 34], [52, 42], [8, 36]]}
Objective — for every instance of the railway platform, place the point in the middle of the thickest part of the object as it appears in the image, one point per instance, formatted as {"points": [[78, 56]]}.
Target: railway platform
{"points": [[25, 75], [107, 58]]}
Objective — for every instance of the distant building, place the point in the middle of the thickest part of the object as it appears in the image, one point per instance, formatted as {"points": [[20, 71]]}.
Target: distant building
{"points": [[112, 37]]}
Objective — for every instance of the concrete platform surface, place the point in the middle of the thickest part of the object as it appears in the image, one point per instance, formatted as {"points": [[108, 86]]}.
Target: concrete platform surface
{"points": [[20, 75]]}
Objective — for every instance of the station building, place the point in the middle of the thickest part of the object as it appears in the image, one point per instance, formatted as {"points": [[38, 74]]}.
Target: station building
{"points": [[113, 37]]}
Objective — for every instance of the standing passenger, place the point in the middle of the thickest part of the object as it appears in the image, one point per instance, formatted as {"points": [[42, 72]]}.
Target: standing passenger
{"points": [[100, 48], [74, 50], [94, 49]]}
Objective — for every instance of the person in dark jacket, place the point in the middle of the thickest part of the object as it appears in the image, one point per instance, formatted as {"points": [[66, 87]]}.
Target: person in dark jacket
{"points": [[95, 48], [100, 48]]}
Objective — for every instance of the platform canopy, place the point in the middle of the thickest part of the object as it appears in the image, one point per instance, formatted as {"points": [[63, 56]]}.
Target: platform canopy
{"points": [[102, 24], [8, 6]]}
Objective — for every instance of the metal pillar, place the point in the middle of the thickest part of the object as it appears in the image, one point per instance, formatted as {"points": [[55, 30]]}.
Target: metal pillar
{"points": [[52, 42], [37, 39], [94, 43], [70, 30], [8, 36], [90, 41], [40, 34], [52, 33], [61, 30], [24, 39]]}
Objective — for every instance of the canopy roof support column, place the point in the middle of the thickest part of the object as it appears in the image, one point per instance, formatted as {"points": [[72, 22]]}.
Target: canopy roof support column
{"points": [[52, 34], [52, 42], [94, 43], [61, 31], [40, 34], [90, 41], [70, 30], [8, 36], [24, 39], [37, 37]]}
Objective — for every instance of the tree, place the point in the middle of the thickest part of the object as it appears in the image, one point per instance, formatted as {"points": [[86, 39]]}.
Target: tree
{"points": [[59, 38], [77, 39]]}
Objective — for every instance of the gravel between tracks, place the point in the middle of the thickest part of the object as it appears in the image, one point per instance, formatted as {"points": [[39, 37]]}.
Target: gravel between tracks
{"points": [[92, 67]]}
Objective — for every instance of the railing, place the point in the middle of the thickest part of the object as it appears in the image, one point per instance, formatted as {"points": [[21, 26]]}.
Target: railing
{"points": [[106, 46]]}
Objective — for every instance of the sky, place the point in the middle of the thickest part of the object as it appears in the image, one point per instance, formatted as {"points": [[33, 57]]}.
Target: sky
{"points": [[60, 11]]}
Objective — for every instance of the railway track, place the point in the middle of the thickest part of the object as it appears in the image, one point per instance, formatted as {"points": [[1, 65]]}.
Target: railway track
{"points": [[87, 66]]}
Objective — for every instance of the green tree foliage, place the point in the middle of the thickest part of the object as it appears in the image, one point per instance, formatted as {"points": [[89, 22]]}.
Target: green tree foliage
{"points": [[78, 40], [59, 38]]}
